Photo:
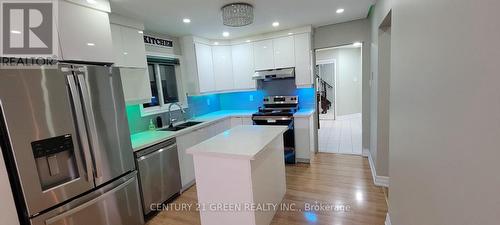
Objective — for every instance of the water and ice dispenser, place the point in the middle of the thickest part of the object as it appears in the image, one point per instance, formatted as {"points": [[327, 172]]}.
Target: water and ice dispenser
{"points": [[55, 161]]}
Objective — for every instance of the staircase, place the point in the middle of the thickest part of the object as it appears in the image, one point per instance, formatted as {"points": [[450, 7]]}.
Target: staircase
{"points": [[322, 97]]}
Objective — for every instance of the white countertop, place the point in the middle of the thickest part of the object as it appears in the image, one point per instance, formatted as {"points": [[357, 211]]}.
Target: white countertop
{"points": [[243, 142], [304, 113], [149, 138]]}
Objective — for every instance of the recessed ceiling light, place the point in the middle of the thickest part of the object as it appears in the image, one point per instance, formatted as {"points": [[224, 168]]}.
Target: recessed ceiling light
{"points": [[90, 44], [276, 24], [140, 32], [15, 31], [357, 44], [247, 41], [216, 43], [92, 1], [341, 10], [290, 33], [225, 34], [186, 20]]}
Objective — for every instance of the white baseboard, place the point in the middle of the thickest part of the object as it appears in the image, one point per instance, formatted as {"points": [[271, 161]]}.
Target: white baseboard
{"points": [[382, 181], [300, 160], [366, 152], [387, 219]]}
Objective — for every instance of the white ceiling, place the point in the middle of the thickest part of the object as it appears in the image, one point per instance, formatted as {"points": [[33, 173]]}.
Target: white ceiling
{"points": [[165, 16]]}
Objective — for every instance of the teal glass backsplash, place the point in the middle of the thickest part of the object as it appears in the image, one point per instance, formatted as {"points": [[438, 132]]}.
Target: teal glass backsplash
{"points": [[203, 104], [306, 98], [249, 100]]}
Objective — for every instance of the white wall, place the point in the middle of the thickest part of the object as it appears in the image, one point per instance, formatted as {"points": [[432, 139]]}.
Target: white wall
{"points": [[380, 92], [348, 78], [444, 111], [348, 33]]}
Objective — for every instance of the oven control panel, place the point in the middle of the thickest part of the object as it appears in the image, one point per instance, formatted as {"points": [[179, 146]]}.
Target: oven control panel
{"points": [[281, 100]]}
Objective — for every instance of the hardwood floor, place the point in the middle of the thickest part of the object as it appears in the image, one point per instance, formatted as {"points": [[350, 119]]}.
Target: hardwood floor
{"points": [[330, 180]]}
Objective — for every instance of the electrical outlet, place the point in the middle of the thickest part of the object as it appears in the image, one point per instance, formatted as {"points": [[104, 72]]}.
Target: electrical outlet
{"points": [[251, 98], [208, 101]]}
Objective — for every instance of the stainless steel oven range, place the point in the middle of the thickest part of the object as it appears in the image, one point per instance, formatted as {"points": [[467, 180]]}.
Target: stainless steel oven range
{"points": [[278, 111]]}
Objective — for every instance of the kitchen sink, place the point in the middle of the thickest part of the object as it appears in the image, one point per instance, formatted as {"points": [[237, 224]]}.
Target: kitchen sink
{"points": [[188, 124], [181, 126], [172, 128]]}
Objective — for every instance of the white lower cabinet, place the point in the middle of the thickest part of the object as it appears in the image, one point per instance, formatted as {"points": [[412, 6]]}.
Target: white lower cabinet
{"points": [[246, 120], [186, 163], [304, 138], [238, 121], [191, 139], [222, 126]]}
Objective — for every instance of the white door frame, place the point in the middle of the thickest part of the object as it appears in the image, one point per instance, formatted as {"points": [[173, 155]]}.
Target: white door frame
{"points": [[330, 61]]}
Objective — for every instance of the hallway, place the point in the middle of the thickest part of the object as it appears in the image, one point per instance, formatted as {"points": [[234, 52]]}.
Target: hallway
{"points": [[343, 135], [330, 179]]}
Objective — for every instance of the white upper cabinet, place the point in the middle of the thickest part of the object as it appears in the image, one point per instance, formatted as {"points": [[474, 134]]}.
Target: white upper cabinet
{"points": [[243, 66], [223, 68], [128, 47], [84, 33], [284, 55], [263, 55], [129, 53], [136, 85], [204, 60], [231, 65], [118, 52], [303, 60], [134, 48], [102, 5]]}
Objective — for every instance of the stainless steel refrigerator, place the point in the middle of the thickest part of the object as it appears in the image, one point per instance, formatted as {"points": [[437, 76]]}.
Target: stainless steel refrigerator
{"points": [[65, 139]]}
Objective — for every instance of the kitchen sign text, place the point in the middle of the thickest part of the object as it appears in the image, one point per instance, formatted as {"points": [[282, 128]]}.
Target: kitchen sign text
{"points": [[159, 42]]}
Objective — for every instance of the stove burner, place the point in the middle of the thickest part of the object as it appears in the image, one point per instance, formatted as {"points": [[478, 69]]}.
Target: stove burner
{"points": [[278, 106]]}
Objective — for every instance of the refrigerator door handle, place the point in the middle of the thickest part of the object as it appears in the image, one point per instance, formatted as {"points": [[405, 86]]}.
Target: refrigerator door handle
{"points": [[86, 204], [82, 132], [92, 125]]}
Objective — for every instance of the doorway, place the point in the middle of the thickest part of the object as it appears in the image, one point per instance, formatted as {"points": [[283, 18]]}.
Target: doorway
{"points": [[339, 91]]}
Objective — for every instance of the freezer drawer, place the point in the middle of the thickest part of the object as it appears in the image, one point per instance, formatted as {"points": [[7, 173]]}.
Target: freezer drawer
{"points": [[115, 203], [159, 173]]}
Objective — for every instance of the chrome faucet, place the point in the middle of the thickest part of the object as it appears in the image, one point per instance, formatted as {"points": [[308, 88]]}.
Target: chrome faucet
{"points": [[172, 120]]}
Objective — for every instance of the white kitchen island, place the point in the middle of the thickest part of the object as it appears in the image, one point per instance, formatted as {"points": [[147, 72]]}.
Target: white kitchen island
{"points": [[240, 175]]}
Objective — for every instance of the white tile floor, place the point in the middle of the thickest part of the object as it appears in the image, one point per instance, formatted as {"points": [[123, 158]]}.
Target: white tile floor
{"points": [[342, 135], [328, 116]]}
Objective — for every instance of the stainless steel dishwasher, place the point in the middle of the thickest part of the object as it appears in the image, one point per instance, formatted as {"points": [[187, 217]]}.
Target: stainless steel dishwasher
{"points": [[159, 173]]}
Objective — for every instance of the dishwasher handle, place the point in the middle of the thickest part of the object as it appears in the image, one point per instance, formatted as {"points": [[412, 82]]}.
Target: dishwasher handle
{"points": [[149, 154]]}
